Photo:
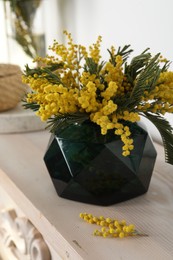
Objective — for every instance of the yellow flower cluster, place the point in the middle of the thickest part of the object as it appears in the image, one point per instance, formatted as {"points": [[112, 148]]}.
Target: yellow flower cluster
{"points": [[110, 227], [52, 98], [112, 73], [95, 50], [81, 83], [160, 99]]}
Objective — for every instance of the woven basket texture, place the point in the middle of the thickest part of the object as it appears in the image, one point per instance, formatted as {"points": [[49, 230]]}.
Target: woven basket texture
{"points": [[11, 87]]}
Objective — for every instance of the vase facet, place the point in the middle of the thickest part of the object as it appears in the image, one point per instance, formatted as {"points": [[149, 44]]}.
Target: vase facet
{"points": [[88, 167]]}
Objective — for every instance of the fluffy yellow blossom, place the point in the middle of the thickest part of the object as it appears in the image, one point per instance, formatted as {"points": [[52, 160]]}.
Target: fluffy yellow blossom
{"points": [[109, 108], [110, 227], [125, 133], [95, 50], [87, 98], [114, 73], [129, 116], [110, 90]]}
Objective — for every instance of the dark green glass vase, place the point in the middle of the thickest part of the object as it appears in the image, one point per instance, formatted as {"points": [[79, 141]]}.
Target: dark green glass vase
{"points": [[88, 167]]}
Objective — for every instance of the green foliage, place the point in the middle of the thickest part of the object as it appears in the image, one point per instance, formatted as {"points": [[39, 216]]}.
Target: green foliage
{"points": [[32, 106], [166, 132], [45, 72], [124, 52], [148, 72], [61, 121], [136, 66], [142, 73], [92, 67]]}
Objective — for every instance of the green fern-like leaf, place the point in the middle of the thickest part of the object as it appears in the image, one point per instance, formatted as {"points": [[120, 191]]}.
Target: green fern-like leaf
{"points": [[48, 72], [137, 65], [40, 70], [33, 106], [123, 52], [61, 121], [145, 82], [92, 67], [166, 132]]}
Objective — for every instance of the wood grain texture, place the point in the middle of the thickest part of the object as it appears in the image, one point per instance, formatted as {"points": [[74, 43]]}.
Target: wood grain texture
{"points": [[25, 179]]}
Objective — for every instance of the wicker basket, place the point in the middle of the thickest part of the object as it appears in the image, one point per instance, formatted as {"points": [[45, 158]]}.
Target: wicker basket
{"points": [[11, 87]]}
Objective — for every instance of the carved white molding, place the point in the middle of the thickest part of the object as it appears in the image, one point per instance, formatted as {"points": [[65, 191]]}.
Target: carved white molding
{"points": [[20, 236]]}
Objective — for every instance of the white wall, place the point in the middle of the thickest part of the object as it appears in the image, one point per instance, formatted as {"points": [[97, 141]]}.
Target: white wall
{"points": [[3, 42], [137, 22], [140, 23]]}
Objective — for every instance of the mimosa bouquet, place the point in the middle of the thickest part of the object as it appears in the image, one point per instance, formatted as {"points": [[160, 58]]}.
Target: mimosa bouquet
{"points": [[75, 84]]}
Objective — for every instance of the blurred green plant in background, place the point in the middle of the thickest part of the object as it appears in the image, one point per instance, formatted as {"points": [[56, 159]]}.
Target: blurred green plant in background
{"points": [[23, 13]]}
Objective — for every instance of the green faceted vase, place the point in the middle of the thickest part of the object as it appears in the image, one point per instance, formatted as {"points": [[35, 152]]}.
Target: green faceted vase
{"points": [[89, 167]]}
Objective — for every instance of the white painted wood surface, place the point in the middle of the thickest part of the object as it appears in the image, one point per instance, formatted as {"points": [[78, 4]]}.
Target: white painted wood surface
{"points": [[25, 179]]}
